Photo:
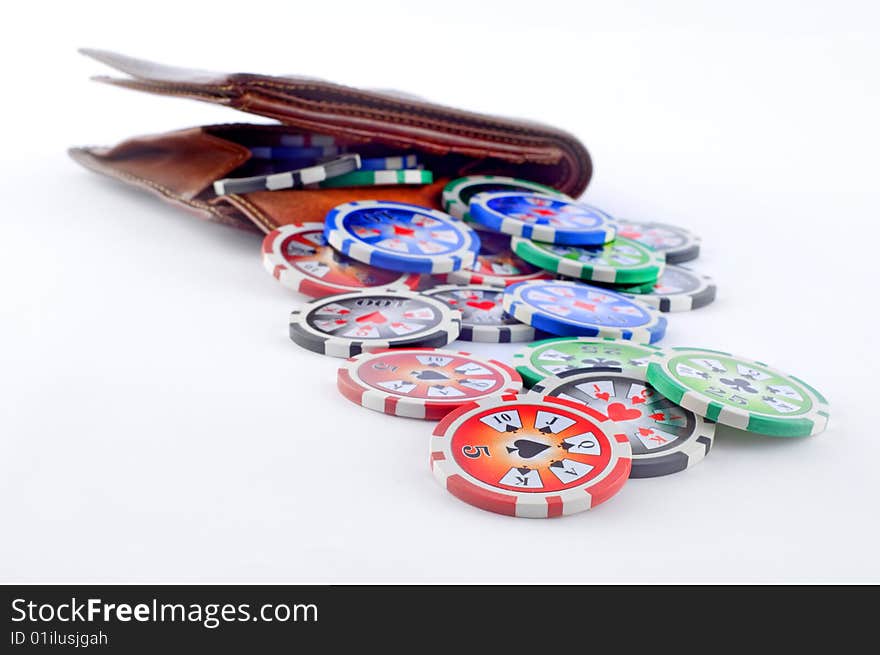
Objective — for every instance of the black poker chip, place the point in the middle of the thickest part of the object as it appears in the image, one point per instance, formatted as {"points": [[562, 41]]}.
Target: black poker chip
{"points": [[350, 323]]}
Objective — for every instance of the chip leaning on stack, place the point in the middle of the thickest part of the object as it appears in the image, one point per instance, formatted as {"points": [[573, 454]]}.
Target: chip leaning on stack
{"points": [[371, 197]]}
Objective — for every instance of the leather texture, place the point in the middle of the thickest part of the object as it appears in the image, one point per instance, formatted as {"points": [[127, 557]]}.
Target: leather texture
{"points": [[182, 165]]}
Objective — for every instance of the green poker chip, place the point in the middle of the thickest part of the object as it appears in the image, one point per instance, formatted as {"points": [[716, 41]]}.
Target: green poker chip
{"points": [[551, 357], [378, 178], [640, 289], [621, 261], [458, 193], [739, 392]]}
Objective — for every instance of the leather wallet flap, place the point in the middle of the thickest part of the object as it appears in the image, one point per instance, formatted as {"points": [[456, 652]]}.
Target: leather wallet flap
{"points": [[529, 149]]}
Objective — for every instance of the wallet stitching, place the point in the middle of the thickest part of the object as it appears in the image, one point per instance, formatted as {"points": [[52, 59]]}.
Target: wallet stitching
{"points": [[182, 91], [165, 191], [429, 116], [393, 104], [386, 118], [426, 122], [257, 214], [563, 163]]}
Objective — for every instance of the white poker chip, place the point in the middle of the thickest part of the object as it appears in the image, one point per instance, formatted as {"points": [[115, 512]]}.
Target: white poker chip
{"points": [[482, 315], [678, 289], [350, 323], [665, 437]]}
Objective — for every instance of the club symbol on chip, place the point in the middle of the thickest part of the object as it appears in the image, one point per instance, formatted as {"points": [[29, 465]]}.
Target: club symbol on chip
{"points": [[739, 384], [600, 362]]}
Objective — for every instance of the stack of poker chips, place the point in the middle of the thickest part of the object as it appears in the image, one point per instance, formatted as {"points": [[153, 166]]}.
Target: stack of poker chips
{"points": [[317, 161], [589, 403]]}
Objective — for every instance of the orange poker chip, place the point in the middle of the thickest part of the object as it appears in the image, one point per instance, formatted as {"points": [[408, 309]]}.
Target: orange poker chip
{"points": [[530, 457]]}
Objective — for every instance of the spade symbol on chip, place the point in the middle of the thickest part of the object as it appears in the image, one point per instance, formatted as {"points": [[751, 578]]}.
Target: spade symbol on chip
{"points": [[430, 375], [527, 448]]}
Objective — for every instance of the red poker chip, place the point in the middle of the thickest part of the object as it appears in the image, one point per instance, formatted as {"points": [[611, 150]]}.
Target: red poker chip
{"points": [[423, 382], [497, 265], [533, 457], [299, 258]]}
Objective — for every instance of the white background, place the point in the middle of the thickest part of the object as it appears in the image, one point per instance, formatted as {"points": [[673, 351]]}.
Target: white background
{"points": [[156, 423]]}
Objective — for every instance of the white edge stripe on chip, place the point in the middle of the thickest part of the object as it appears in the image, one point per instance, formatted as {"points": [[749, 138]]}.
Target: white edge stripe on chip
{"points": [[437, 464], [385, 177], [523, 313], [279, 181], [543, 233], [569, 267], [374, 399], [314, 174], [443, 264], [694, 402], [512, 226], [360, 251], [335, 239], [537, 509], [456, 209], [733, 417], [410, 408], [485, 333], [679, 303], [601, 275], [336, 347]]}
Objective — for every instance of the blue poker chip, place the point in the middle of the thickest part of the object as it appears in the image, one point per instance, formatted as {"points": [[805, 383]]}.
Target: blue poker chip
{"points": [[573, 309], [301, 156], [314, 153], [542, 217], [398, 163], [401, 237]]}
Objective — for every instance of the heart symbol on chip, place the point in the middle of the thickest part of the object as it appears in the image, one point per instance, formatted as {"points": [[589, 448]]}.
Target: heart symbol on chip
{"points": [[619, 412], [586, 306], [485, 305], [372, 317], [403, 231]]}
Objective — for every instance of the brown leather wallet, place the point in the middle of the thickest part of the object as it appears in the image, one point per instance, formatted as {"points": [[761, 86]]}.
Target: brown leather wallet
{"points": [[181, 166]]}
